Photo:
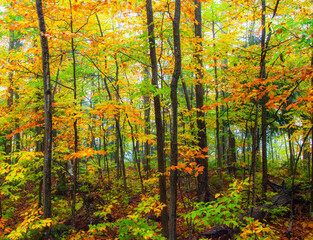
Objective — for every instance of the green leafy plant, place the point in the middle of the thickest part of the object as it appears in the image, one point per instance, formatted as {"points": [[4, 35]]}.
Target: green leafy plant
{"points": [[226, 210], [137, 225]]}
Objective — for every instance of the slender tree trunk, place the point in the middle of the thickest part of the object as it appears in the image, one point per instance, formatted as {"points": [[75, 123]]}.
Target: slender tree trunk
{"points": [[75, 127], [118, 129], [8, 141], [291, 155], [263, 101], [106, 161], [254, 157], [17, 126], [203, 178], [174, 101], [244, 150], [146, 157], [137, 161], [217, 120], [311, 206], [158, 119], [48, 114], [117, 149], [271, 145]]}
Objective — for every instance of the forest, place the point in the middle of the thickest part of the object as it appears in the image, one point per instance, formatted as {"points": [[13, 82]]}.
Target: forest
{"points": [[142, 119]]}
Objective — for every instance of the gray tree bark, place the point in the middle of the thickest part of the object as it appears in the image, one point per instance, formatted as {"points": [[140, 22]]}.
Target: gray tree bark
{"points": [[48, 113]]}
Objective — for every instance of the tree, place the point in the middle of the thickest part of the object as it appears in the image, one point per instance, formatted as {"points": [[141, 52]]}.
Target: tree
{"points": [[48, 113], [158, 119], [174, 148], [203, 179]]}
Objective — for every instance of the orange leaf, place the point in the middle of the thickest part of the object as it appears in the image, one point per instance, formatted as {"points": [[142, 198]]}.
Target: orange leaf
{"points": [[206, 149]]}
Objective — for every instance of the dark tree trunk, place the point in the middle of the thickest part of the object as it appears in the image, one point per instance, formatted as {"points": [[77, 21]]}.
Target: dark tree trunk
{"points": [[217, 120], [263, 101], [291, 155], [174, 147], [17, 126], [158, 119], [117, 147], [254, 156], [203, 189], [48, 113], [311, 205], [146, 157], [118, 129]]}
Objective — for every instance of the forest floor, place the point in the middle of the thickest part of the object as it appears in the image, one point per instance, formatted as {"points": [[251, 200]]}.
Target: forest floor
{"points": [[119, 208]]}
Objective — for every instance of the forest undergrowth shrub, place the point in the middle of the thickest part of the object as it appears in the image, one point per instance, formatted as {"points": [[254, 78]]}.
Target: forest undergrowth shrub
{"points": [[17, 175], [137, 224], [111, 200], [257, 230], [228, 209], [62, 210], [31, 226]]}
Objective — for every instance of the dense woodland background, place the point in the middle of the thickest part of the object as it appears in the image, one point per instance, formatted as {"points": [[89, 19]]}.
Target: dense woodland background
{"points": [[156, 119]]}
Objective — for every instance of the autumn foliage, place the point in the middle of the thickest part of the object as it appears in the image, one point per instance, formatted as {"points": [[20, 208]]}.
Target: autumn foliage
{"points": [[101, 83]]}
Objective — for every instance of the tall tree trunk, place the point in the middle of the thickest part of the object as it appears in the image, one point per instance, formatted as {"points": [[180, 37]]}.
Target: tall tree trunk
{"points": [[136, 158], [8, 141], [291, 152], [174, 101], [203, 178], [311, 205], [48, 113], [17, 126], [263, 101], [254, 157], [271, 145], [118, 129], [217, 120], [117, 147], [158, 119], [146, 157], [75, 160]]}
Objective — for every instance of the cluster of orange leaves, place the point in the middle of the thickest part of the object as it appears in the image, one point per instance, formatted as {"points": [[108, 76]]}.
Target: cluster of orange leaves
{"points": [[87, 152], [188, 165], [188, 168]]}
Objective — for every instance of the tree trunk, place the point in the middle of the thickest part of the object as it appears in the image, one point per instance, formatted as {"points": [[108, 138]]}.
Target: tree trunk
{"points": [[118, 129], [311, 205], [75, 127], [254, 157], [231, 153], [48, 113], [263, 101], [8, 141], [291, 155], [203, 178], [146, 157], [158, 119], [217, 120], [174, 147]]}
